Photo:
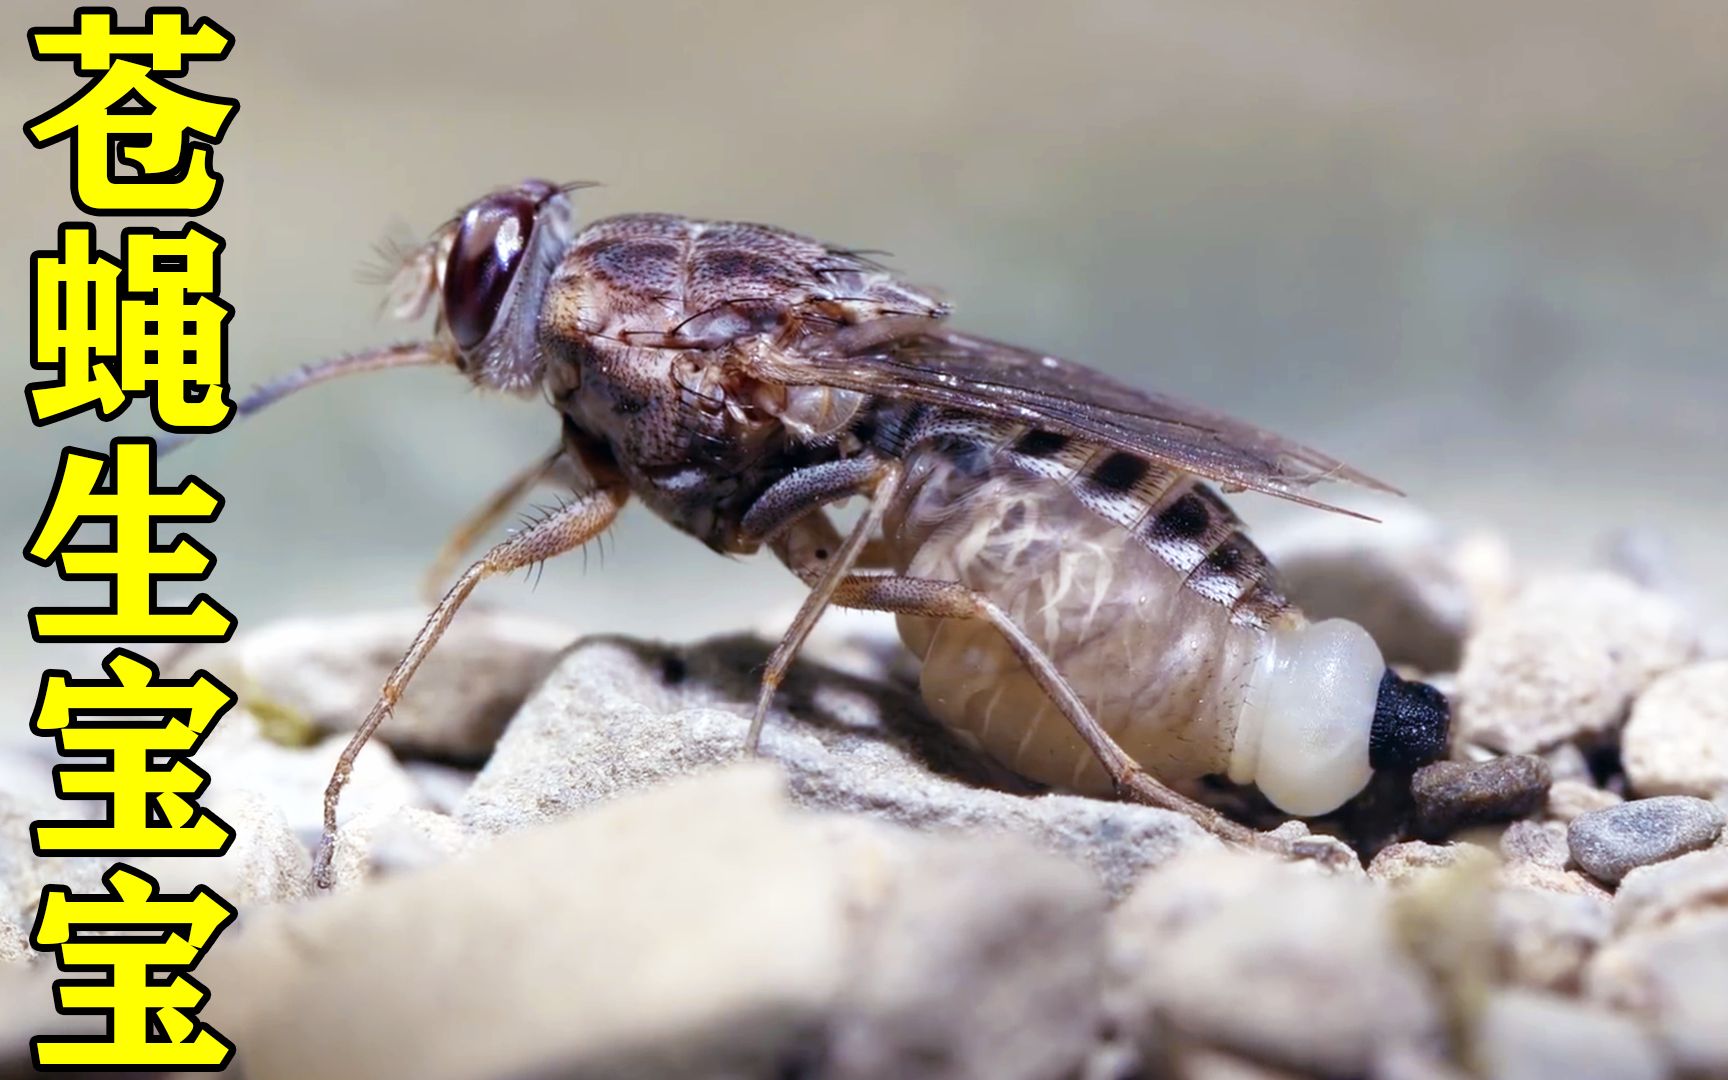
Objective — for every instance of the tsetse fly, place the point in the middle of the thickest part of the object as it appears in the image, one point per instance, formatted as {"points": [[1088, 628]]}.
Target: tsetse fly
{"points": [[1087, 610]]}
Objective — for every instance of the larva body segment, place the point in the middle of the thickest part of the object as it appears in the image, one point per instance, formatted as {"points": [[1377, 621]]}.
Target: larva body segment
{"points": [[1192, 661]]}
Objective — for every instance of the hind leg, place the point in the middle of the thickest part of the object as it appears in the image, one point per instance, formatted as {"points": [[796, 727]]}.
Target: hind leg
{"points": [[950, 600]]}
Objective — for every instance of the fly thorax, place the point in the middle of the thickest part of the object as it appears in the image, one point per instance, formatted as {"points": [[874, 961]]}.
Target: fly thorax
{"points": [[1303, 731]]}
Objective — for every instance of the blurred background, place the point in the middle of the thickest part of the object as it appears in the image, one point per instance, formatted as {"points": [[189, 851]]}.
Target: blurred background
{"points": [[1480, 250]]}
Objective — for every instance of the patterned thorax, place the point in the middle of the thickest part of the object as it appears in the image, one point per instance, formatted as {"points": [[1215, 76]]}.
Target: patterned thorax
{"points": [[662, 279]]}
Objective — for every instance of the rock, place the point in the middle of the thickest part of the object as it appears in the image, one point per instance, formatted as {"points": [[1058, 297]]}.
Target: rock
{"points": [[1274, 961], [23, 873], [1451, 794], [701, 929], [1402, 581], [1567, 799], [239, 759], [616, 716], [1672, 979], [1321, 849], [1676, 742], [1609, 843], [1536, 876], [1201, 1062], [266, 863], [441, 786], [1401, 864], [1015, 994], [1536, 841], [1567, 762], [14, 942], [383, 840], [1529, 1036], [325, 672], [1658, 894], [1544, 938], [1564, 660]]}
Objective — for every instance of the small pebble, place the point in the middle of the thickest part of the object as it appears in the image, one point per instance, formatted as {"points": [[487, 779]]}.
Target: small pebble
{"points": [[1567, 799], [1663, 892], [1452, 794], [1544, 937], [1670, 979], [1567, 762], [1677, 740], [1529, 1036], [1414, 861], [1610, 843], [1541, 842], [1541, 878], [1565, 659]]}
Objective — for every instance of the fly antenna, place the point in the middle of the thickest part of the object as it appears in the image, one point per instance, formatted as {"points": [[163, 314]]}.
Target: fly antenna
{"points": [[414, 354]]}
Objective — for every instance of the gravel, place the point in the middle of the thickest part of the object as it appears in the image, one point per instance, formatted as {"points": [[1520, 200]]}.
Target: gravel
{"points": [[586, 880], [1452, 794], [1676, 742], [1564, 659], [1610, 843]]}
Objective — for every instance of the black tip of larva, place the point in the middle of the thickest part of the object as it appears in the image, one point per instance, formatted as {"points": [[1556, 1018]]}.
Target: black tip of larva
{"points": [[1411, 724]]}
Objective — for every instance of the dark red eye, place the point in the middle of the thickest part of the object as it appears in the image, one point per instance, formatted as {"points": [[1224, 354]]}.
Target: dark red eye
{"points": [[489, 246]]}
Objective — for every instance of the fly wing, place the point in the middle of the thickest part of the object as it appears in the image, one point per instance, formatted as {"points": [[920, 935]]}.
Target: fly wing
{"points": [[976, 375]]}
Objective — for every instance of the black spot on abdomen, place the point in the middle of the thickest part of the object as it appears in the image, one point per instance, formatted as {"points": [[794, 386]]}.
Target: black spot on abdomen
{"points": [[1227, 557], [1041, 444], [1120, 471], [1187, 518]]}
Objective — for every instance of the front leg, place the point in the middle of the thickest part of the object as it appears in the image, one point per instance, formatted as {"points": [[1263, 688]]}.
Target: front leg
{"points": [[567, 529]]}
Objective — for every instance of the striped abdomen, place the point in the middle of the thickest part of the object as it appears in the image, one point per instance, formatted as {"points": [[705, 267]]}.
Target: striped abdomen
{"points": [[1140, 586]]}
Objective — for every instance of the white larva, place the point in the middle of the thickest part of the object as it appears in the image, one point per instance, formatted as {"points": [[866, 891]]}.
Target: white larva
{"points": [[1187, 683]]}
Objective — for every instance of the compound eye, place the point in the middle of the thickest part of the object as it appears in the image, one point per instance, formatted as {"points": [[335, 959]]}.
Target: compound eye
{"points": [[488, 249]]}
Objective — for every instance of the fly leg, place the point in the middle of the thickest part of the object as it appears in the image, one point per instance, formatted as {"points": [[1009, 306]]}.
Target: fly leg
{"points": [[783, 506], [468, 533], [951, 600], [569, 528]]}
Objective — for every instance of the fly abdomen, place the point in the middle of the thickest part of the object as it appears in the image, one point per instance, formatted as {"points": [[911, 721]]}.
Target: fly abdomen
{"points": [[1139, 584]]}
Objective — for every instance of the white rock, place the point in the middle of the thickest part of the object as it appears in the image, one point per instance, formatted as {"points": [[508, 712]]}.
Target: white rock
{"points": [[23, 873], [1570, 799], [239, 759], [1544, 938], [1413, 861], [702, 929], [14, 942], [1565, 659], [266, 863], [616, 716], [1529, 1036], [1538, 876], [1200, 1062], [1014, 995], [1271, 960], [385, 840], [1676, 742], [1663, 892], [325, 672], [1672, 978], [1567, 762], [1536, 841]]}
